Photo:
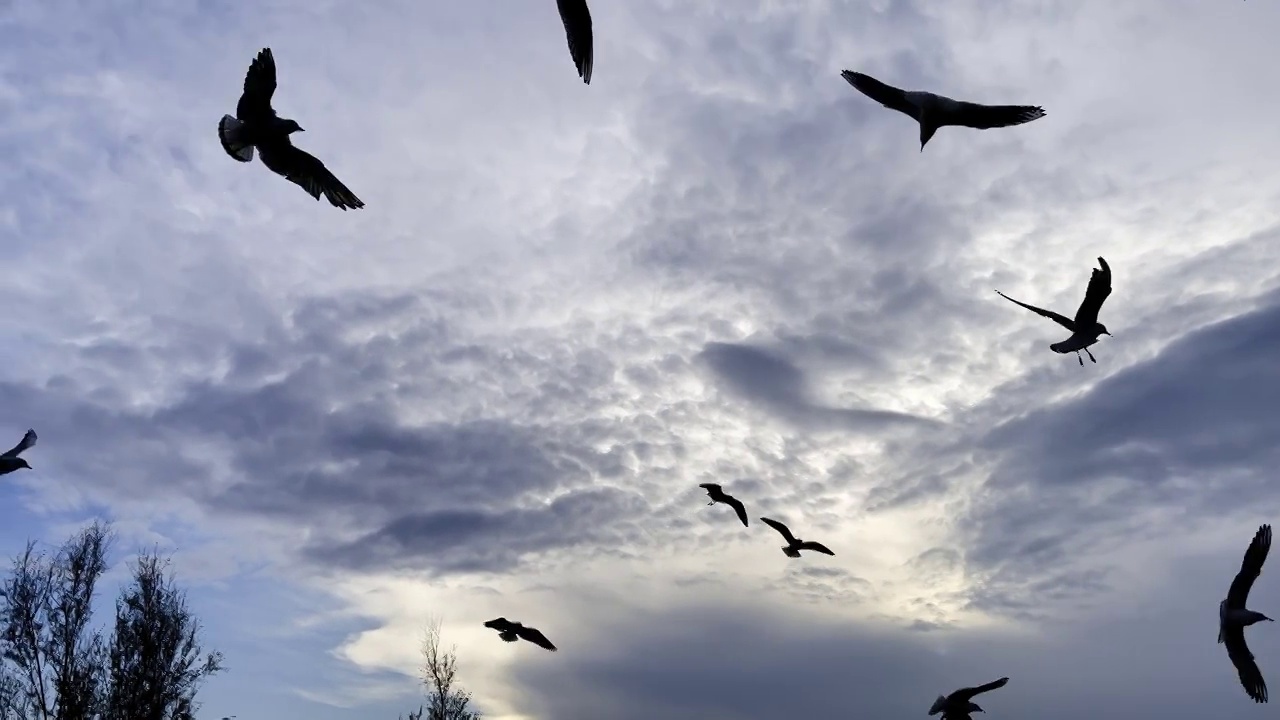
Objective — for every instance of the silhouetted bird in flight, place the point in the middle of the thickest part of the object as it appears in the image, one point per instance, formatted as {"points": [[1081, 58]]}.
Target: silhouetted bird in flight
{"points": [[1233, 617], [577, 29], [10, 460], [1085, 328], [794, 544], [959, 704], [720, 496], [935, 111], [512, 631], [257, 125]]}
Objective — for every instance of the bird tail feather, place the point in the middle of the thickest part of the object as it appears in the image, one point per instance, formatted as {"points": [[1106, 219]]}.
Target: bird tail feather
{"points": [[230, 132], [938, 705]]}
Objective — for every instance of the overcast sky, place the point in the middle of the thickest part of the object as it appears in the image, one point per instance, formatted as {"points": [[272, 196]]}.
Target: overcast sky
{"points": [[495, 389]]}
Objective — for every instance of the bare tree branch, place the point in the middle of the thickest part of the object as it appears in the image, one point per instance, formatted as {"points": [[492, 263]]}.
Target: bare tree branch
{"points": [[445, 701]]}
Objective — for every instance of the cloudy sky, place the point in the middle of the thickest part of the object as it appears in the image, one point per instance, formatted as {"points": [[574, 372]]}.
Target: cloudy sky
{"points": [[495, 389]]}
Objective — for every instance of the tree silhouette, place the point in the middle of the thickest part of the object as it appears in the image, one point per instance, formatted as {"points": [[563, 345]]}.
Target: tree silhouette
{"points": [[54, 666], [53, 663], [155, 654], [445, 701]]}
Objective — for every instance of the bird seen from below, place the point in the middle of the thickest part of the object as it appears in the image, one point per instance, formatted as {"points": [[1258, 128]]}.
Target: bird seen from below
{"points": [[1234, 617], [795, 545], [959, 704], [1085, 328], [935, 111], [720, 496], [257, 125], [577, 29], [10, 460], [512, 631]]}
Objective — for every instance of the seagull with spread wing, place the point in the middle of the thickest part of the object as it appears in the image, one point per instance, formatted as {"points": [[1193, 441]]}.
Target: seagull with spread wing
{"points": [[1233, 617], [1085, 327], [959, 704], [577, 29], [720, 496], [513, 631], [935, 111], [257, 125], [10, 460], [795, 545]]}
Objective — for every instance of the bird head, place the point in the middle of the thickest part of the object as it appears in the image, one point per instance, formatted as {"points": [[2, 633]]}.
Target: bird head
{"points": [[973, 708], [1103, 329], [290, 127], [20, 463]]}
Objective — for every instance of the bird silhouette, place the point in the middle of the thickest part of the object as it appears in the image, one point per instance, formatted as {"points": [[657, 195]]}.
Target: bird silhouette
{"points": [[512, 631], [577, 29], [935, 111], [720, 496], [10, 461], [257, 125], [1234, 617], [959, 704], [1085, 327], [795, 545]]}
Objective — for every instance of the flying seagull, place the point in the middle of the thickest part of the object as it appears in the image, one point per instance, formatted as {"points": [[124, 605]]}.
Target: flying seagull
{"points": [[10, 460], [717, 495], [257, 125], [1085, 328], [512, 631], [1233, 617], [795, 545], [935, 111], [959, 704], [577, 30]]}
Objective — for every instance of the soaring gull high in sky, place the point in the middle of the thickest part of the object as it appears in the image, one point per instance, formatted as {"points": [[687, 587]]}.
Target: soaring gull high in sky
{"points": [[495, 391]]}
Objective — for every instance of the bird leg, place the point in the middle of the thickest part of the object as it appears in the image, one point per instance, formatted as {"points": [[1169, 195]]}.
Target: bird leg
{"points": [[713, 502], [1086, 352], [1080, 358]]}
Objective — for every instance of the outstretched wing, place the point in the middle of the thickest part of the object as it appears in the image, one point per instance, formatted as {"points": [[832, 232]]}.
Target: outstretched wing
{"points": [[816, 547], [964, 695], [577, 30], [786, 533], [982, 117], [1250, 568], [308, 172], [738, 508], [259, 86], [1246, 666], [535, 637], [27, 441], [1095, 295], [887, 95], [1060, 319]]}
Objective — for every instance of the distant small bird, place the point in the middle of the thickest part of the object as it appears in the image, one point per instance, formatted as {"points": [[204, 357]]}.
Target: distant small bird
{"points": [[720, 496], [10, 460], [512, 631], [577, 29], [257, 125], [1233, 617], [795, 545], [959, 704], [935, 111], [1085, 328]]}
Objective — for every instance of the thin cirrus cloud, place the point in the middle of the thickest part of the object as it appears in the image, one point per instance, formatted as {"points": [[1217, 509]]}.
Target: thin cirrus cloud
{"points": [[494, 391]]}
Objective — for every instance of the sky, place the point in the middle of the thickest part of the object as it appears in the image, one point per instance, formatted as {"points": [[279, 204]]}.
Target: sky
{"points": [[495, 389]]}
